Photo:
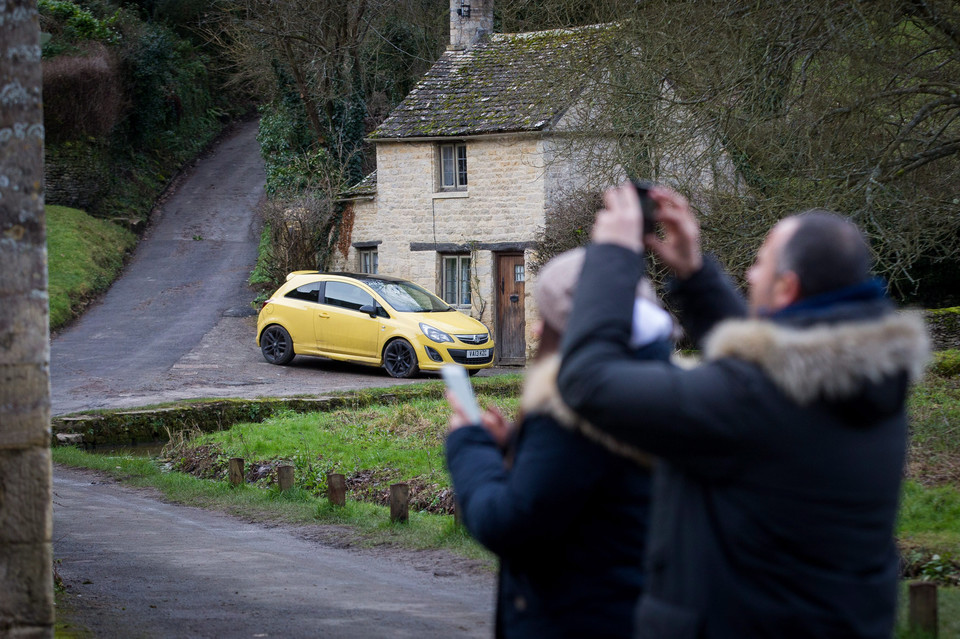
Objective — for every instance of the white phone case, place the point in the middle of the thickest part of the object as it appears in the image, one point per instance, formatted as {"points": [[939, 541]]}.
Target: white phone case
{"points": [[458, 381]]}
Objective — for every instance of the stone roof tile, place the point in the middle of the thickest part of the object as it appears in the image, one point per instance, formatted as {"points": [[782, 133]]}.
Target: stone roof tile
{"points": [[367, 187], [509, 83]]}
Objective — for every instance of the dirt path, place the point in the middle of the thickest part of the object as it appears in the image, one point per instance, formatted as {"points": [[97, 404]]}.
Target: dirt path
{"points": [[138, 567]]}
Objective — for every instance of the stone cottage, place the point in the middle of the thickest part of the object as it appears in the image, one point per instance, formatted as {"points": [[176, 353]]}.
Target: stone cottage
{"points": [[468, 166]]}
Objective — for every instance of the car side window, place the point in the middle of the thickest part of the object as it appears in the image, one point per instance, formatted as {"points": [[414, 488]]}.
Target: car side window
{"points": [[347, 296], [307, 292]]}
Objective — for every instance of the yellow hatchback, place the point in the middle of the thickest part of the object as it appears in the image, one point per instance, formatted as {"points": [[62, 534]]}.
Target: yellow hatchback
{"points": [[369, 319]]}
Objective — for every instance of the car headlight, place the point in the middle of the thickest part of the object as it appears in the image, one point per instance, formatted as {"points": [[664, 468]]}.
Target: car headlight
{"points": [[434, 334]]}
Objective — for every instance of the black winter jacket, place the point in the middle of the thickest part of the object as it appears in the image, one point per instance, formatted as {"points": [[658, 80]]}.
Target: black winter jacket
{"points": [[781, 455], [568, 519]]}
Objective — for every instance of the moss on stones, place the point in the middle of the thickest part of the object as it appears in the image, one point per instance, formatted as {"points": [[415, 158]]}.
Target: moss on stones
{"points": [[122, 427]]}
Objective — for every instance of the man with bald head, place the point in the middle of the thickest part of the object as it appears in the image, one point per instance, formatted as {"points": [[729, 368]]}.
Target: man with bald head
{"points": [[781, 455]]}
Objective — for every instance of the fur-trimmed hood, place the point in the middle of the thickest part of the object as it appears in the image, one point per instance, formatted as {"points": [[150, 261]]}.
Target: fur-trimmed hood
{"points": [[830, 361], [542, 397]]}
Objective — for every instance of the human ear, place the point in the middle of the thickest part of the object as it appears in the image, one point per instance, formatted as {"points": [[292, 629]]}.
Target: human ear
{"points": [[786, 290]]}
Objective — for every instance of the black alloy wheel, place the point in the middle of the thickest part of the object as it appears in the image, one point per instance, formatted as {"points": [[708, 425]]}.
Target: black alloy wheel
{"points": [[276, 345], [399, 359]]}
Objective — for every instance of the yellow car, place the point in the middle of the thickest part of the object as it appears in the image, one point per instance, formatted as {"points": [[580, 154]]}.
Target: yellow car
{"points": [[369, 319]]}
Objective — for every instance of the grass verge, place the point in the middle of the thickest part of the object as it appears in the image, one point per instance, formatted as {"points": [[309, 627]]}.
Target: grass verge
{"points": [[368, 524], [377, 444], [84, 256]]}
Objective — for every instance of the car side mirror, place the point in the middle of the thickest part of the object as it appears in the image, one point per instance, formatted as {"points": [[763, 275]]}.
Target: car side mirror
{"points": [[369, 309]]}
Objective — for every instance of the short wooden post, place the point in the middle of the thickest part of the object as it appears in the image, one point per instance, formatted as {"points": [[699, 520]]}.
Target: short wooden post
{"points": [[399, 503], [336, 489], [285, 477], [923, 607], [457, 517], [236, 471]]}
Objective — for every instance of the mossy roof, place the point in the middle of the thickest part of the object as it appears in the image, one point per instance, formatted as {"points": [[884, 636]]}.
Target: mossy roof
{"points": [[508, 83], [365, 187]]}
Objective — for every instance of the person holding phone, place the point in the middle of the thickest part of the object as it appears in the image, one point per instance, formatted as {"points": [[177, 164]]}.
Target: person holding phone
{"points": [[563, 506], [781, 455]]}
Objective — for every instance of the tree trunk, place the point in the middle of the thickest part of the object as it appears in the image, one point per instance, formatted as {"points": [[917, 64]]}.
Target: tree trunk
{"points": [[26, 516]]}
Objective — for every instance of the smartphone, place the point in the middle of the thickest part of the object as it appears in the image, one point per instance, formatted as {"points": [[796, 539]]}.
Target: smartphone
{"points": [[647, 204], [458, 381]]}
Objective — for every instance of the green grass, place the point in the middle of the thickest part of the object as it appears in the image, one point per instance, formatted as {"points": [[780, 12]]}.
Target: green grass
{"points": [[930, 517], [948, 604], [85, 254], [406, 436], [404, 441], [365, 524]]}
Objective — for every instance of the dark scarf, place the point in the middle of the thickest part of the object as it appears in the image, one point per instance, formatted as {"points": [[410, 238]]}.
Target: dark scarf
{"points": [[860, 301]]}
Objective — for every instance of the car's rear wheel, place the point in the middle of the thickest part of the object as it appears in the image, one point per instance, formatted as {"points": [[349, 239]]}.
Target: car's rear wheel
{"points": [[399, 359], [276, 345]]}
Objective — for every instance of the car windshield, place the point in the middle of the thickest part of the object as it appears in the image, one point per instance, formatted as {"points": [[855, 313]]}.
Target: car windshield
{"points": [[406, 297]]}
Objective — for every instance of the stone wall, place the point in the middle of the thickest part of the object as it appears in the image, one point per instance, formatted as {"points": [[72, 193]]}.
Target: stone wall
{"points": [[503, 205], [26, 513], [75, 174], [944, 325]]}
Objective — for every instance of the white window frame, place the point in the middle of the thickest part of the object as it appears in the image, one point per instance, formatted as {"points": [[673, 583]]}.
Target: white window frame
{"points": [[458, 292], [452, 164], [368, 258]]}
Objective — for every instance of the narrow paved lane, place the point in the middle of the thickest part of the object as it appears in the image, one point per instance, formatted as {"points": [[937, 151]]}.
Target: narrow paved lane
{"points": [[138, 567], [188, 271], [176, 325]]}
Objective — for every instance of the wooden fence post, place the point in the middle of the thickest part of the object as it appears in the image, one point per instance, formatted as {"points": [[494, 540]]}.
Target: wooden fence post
{"points": [[399, 503], [457, 517], [923, 607], [285, 477], [336, 489], [236, 471]]}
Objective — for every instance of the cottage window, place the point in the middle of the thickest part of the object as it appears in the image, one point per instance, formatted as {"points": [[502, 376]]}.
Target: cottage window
{"points": [[369, 260], [453, 166], [455, 279]]}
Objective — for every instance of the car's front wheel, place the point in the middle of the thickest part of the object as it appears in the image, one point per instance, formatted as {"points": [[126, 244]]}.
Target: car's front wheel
{"points": [[276, 345], [399, 359]]}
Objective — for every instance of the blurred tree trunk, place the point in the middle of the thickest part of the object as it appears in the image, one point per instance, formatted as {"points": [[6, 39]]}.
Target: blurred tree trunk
{"points": [[26, 562]]}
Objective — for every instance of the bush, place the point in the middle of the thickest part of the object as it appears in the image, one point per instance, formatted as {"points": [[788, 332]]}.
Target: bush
{"points": [[82, 95], [568, 225], [124, 112], [285, 144], [946, 363], [295, 237], [69, 26]]}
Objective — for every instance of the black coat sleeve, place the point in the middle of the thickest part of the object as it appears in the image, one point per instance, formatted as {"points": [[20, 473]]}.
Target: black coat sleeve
{"points": [[693, 418], [705, 299], [507, 511]]}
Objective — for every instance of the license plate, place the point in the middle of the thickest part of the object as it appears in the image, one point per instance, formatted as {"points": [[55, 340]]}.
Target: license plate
{"points": [[480, 354]]}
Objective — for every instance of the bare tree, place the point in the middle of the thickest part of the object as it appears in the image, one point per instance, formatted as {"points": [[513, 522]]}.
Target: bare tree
{"points": [[762, 109], [318, 42], [26, 562]]}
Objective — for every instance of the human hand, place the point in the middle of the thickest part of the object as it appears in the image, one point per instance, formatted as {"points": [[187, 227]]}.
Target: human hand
{"points": [[680, 247], [497, 425], [620, 222], [492, 420], [458, 419]]}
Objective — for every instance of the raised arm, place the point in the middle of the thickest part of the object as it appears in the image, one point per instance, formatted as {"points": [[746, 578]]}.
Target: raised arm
{"points": [[682, 415]]}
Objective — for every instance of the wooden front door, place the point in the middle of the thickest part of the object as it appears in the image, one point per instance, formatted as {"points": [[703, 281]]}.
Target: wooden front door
{"points": [[511, 319]]}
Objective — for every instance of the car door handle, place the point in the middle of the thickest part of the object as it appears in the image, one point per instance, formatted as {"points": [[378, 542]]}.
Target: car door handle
{"points": [[323, 315]]}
